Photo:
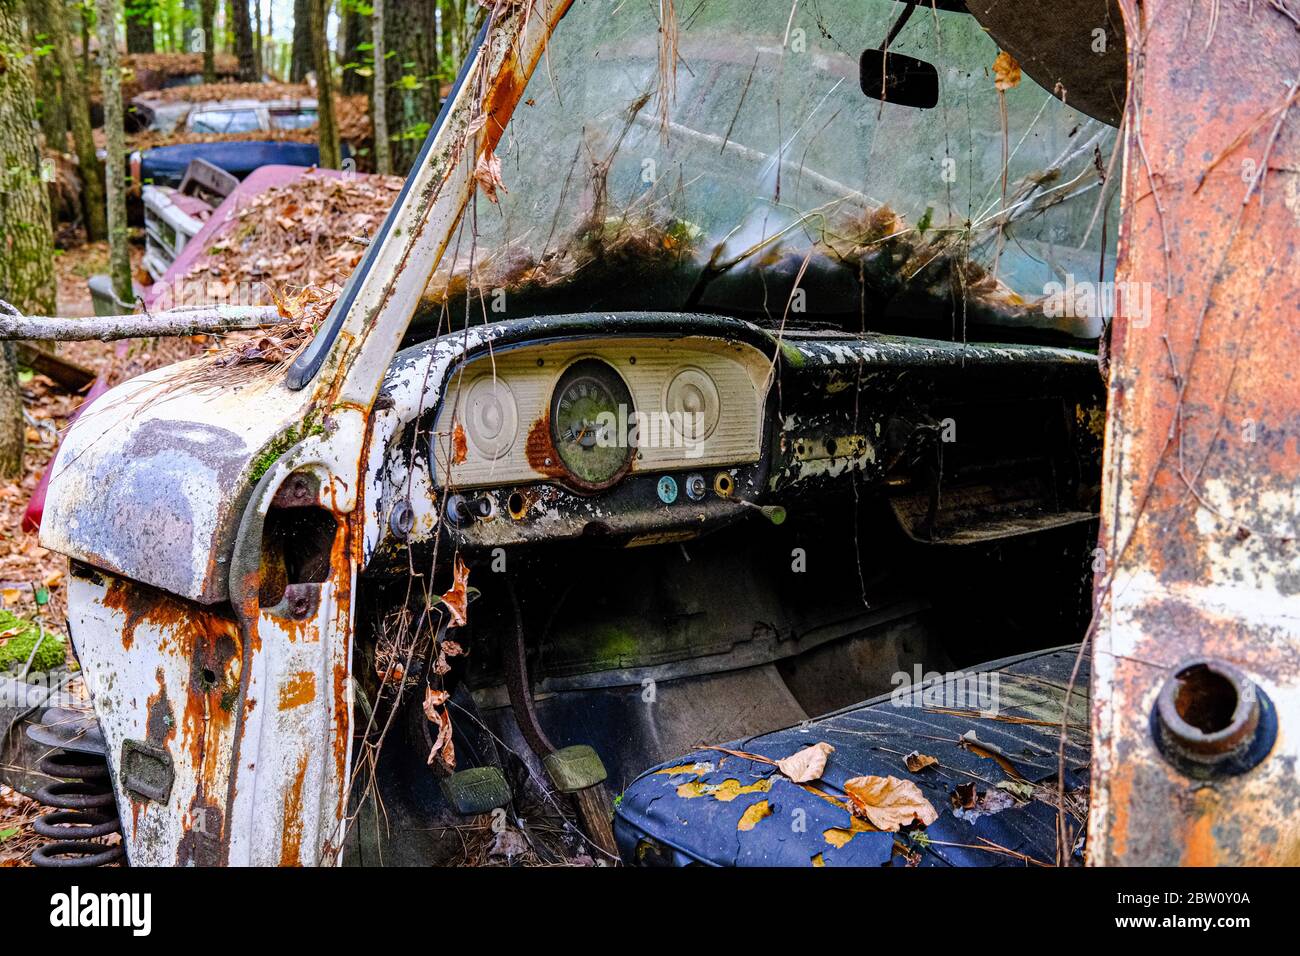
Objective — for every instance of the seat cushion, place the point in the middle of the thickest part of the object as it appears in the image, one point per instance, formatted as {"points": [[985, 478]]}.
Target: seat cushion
{"points": [[996, 728]]}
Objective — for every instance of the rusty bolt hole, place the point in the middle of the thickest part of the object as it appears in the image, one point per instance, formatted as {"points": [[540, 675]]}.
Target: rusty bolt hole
{"points": [[1205, 699], [1212, 720]]}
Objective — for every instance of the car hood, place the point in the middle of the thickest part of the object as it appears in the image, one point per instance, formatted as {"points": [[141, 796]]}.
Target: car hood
{"points": [[152, 480]]}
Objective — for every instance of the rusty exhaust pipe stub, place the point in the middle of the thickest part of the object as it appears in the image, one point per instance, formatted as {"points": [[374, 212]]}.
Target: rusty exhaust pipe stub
{"points": [[1211, 720]]}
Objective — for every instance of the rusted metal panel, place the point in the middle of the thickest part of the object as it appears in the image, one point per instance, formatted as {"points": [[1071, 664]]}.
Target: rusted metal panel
{"points": [[177, 677], [151, 482], [1201, 495]]}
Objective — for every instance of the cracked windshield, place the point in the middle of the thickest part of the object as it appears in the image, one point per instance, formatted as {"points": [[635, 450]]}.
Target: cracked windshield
{"points": [[734, 164]]}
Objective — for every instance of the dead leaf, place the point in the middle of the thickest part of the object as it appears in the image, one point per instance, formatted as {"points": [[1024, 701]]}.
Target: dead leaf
{"points": [[968, 741], [508, 844], [459, 447], [917, 761], [964, 796], [989, 802], [444, 752], [1006, 72], [433, 699], [889, 803], [53, 579], [806, 765], [445, 650], [1020, 789], [487, 173], [456, 598]]}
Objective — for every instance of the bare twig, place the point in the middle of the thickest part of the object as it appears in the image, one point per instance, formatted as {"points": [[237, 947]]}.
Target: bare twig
{"points": [[186, 321]]}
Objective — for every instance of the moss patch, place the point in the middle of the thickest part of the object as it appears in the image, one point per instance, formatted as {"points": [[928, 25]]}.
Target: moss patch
{"points": [[22, 636], [281, 443]]}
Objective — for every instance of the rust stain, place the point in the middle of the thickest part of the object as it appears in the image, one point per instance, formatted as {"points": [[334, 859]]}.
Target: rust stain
{"points": [[1201, 848], [540, 451], [1200, 459], [298, 690], [291, 844]]}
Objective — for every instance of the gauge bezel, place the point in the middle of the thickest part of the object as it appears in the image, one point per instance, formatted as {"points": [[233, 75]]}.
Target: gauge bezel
{"points": [[571, 371]]}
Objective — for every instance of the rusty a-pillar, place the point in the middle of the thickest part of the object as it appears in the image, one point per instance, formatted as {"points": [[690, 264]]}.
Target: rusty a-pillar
{"points": [[1200, 595]]}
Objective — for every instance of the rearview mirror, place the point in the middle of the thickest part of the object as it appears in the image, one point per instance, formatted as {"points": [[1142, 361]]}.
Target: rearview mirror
{"points": [[898, 78]]}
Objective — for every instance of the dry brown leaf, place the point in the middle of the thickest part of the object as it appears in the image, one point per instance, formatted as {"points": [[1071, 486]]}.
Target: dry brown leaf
{"points": [[806, 765], [487, 173], [456, 598], [917, 761], [1006, 72], [888, 803], [964, 797], [445, 650], [433, 699], [444, 752]]}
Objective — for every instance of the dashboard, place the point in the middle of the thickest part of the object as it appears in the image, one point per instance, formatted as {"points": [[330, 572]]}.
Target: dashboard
{"points": [[585, 415]]}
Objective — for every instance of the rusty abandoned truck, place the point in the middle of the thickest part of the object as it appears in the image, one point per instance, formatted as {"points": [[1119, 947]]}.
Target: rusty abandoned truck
{"points": [[718, 378]]}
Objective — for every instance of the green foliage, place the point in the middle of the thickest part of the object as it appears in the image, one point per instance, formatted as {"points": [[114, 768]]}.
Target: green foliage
{"points": [[22, 637]]}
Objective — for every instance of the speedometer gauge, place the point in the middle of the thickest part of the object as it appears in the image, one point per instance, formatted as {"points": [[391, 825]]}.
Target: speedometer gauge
{"points": [[590, 411]]}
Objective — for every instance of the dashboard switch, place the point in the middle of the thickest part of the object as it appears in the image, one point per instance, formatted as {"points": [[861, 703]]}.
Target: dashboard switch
{"points": [[695, 487], [667, 489]]}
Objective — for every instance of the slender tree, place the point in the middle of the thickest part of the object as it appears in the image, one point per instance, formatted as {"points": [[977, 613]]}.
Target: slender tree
{"points": [[119, 260], [379, 101], [353, 28], [86, 15], [244, 49], [139, 26], [257, 38], [303, 58], [49, 86], [27, 253], [92, 173], [412, 75], [329, 134], [208, 13]]}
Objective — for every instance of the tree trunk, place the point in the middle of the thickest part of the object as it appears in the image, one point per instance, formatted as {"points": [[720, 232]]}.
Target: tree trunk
{"points": [[244, 41], [119, 259], [354, 29], [139, 26], [259, 62], [303, 60], [53, 112], [78, 106], [83, 7], [329, 133], [208, 12], [413, 100], [27, 257], [379, 101]]}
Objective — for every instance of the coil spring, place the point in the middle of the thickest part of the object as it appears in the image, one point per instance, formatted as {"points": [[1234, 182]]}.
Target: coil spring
{"points": [[84, 810]]}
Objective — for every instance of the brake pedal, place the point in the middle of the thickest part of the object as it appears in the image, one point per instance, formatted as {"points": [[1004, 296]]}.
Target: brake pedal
{"points": [[574, 768], [476, 790]]}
